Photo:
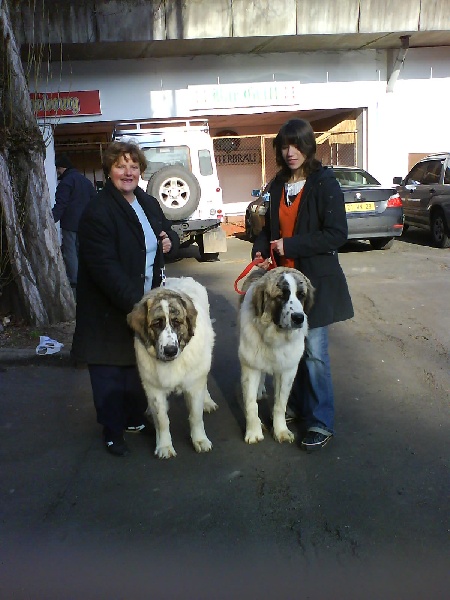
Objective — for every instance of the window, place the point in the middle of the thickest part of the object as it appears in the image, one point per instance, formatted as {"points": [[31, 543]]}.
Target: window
{"points": [[355, 178], [165, 156], [205, 163], [447, 175], [433, 172], [416, 174]]}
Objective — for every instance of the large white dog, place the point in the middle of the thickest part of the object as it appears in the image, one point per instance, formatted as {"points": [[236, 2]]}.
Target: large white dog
{"points": [[272, 330], [174, 340]]}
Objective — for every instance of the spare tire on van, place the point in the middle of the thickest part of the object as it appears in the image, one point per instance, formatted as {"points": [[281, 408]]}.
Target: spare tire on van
{"points": [[177, 191]]}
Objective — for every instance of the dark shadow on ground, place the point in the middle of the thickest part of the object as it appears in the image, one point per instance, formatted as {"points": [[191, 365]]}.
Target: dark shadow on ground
{"points": [[419, 237]]}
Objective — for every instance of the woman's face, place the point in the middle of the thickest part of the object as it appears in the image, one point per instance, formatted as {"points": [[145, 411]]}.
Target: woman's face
{"points": [[124, 175], [293, 157]]}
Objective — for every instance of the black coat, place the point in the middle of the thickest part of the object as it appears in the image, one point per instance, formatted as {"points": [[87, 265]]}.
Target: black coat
{"points": [[73, 193], [320, 230], [111, 274]]}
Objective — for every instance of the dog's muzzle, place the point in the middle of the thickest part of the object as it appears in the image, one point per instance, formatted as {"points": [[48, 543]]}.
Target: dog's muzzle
{"points": [[297, 320], [168, 347], [170, 352]]}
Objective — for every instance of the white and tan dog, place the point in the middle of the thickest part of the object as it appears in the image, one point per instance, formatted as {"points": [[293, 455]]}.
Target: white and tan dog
{"points": [[173, 341], [272, 329]]}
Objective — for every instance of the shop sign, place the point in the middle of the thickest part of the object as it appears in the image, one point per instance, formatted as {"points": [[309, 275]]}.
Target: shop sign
{"points": [[238, 158], [244, 95], [66, 104]]}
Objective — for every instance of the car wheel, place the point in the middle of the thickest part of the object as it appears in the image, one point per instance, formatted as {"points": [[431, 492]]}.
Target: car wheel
{"points": [[381, 243], [205, 256], [438, 230], [177, 191], [248, 228]]}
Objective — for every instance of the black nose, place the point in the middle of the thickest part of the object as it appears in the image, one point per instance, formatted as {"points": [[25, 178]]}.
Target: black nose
{"points": [[170, 351], [297, 319]]}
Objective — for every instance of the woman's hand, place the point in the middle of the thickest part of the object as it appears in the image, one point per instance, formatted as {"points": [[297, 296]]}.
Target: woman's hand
{"points": [[266, 262], [166, 244], [278, 246]]}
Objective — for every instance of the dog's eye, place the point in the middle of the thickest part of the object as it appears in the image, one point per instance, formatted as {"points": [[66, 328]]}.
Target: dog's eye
{"points": [[285, 293], [158, 323], [176, 322], [300, 294]]}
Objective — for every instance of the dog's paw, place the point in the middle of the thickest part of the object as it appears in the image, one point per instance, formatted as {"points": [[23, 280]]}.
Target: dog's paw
{"points": [[209, 406], [203, 445], [165, 452], [253, 436], [284, 436]]}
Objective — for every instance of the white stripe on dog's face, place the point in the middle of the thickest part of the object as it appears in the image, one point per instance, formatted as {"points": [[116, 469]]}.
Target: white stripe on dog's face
{"points": [[292, 315], [167, 346]]}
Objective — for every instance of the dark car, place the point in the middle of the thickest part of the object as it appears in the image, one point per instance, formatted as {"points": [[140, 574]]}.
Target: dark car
{"points": [[425, 193], [374, 212]]}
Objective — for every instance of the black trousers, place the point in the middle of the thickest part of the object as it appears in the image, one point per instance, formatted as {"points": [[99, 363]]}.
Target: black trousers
{"points": [[119, 397]]}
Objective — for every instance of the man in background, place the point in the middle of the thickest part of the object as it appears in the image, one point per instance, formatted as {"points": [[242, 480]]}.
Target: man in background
{"points": [[73, 193]]}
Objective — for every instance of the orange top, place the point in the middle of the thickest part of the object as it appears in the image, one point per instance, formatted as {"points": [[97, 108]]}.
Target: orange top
{"points": [[288, 217]]}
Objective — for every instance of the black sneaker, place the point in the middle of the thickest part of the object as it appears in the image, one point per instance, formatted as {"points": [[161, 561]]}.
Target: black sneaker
{"points": [[315, 440], [114, 443]]}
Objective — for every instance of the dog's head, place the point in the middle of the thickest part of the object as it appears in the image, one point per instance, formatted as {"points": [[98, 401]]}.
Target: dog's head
{"points": [[164, 321], [283, 296]]}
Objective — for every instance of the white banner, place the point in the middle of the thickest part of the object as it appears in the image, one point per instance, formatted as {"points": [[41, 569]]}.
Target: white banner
{"points": [[244, 95]]}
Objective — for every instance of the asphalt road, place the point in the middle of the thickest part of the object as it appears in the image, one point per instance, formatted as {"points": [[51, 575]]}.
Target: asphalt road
{"points": [[366, 517]]}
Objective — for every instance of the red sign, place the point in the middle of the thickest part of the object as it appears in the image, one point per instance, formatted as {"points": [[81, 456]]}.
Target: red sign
{"points": [[66, 104]]}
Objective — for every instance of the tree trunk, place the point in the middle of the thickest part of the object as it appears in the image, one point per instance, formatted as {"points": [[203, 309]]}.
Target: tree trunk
{"points": [[32, 243]]}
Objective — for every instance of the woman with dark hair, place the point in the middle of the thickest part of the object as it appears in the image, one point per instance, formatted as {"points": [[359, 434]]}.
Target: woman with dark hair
{"points": [[123, 237], [306, 225]]}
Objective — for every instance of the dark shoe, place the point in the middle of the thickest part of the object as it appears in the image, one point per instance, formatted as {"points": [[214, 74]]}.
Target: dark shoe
{"points": [[315, 440], [114, 442], [135, 428]]}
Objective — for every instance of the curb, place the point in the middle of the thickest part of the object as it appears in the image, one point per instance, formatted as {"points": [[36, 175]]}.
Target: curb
{"points": [[28, 356]]}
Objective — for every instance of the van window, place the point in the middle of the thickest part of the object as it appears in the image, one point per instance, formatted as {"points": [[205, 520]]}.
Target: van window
{"points": [[205, 163], [447, 175], [165, 156], [433, 172], [416, 174]]}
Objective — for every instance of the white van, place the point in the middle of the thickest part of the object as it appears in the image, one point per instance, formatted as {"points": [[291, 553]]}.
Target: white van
{"points": [[181, 174]]}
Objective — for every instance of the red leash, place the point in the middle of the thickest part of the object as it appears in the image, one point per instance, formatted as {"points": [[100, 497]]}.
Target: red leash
{"points": [[255, 262]]}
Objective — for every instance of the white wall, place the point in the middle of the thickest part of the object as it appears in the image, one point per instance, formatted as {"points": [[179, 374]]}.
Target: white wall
{"points": [[49, 161], [158, 87], [411, 119], [49, 166]]}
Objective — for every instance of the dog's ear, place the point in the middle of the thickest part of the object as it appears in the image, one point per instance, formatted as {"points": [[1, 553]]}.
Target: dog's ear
{"points": [[309, 299], [262, 302], [258, 298], [191, 314], [137, 319]]}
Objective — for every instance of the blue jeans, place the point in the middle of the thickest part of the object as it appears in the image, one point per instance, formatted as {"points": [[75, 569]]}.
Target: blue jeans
{"points": [[312, 395], [70, 254]]}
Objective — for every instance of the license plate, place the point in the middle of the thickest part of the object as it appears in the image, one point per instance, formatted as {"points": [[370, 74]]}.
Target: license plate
{"points": [[359, 206]]}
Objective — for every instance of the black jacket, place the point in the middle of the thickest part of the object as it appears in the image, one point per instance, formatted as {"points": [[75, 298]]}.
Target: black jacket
{"points": [[320, 230], [111, 274], [73, 193]]}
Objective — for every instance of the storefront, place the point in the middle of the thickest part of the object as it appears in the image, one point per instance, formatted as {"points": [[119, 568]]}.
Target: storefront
{"points": [[246, 98]]}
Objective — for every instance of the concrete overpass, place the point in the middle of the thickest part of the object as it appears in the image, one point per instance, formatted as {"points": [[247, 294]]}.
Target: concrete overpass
{"points": [[121, 29]]}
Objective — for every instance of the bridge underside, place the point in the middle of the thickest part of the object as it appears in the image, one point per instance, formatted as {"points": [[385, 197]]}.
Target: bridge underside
{"points": [[118, 29]]}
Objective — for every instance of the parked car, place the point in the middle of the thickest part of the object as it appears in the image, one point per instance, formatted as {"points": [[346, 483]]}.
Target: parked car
{"points": [[425, 193], [374, 212]]}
